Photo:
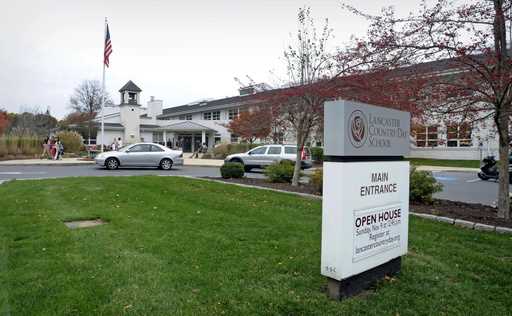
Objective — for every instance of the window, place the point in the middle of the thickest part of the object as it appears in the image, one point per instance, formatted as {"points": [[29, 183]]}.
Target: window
{"points": [[142, 148], [458, 135], [217, 138], [216, 115], [426, 136], [156, 148], [132, 97], [234, 138], [182, 117], [274, 150], [258, 151], [207, 116], [188, 117], [233, 114], [290, 150]]}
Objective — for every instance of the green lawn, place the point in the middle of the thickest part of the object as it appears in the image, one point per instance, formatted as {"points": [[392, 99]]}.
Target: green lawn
{"points": [[445, 162], [180, 246]]}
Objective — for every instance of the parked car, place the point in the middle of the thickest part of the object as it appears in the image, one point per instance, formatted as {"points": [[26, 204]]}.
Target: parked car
{"points": [[262, 156], [141, 155]]}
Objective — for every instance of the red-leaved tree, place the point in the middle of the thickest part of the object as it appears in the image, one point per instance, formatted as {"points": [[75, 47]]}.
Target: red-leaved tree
{"points": [[252, 124], [466, 73], [4, 121]]}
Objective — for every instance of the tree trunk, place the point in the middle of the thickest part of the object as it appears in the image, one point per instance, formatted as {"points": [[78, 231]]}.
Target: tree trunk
{"points": [[503, 193], [502, 111], [298, 161], [89, 128]]}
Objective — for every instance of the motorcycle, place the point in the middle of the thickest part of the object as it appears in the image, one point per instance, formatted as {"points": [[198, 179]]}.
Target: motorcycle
{"points": [[489, 169]]}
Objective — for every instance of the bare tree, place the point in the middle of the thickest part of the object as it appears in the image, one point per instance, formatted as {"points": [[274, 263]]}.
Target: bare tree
{"points": [[87, 99], [307, 63]]}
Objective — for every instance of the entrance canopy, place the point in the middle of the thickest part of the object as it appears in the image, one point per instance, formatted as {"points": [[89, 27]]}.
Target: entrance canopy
{"points": [[187, 126], [189, 135]]}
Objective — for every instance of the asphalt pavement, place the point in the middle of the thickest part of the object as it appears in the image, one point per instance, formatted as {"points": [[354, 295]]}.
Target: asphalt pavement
{"points": [[34, 172], [466, 187], [458, 186]]}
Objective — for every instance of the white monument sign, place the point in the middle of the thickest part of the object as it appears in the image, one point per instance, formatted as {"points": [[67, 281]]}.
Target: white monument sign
{"points": [[365, 215], [365, 208]]}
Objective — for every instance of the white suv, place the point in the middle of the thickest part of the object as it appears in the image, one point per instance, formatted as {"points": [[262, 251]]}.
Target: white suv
{"points": [[263, 156]]}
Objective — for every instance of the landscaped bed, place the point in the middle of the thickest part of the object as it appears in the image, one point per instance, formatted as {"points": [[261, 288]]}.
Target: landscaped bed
{"points": [[302, 188], [172, 245], [473, 212], [477, 213]]}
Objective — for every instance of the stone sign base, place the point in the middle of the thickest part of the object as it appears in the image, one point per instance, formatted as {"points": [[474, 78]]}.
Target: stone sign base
{"points": [[358, 283]]}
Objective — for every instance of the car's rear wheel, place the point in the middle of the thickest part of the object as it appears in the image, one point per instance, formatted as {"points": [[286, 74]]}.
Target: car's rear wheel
{"points": [[112, 164], [166, 164]]}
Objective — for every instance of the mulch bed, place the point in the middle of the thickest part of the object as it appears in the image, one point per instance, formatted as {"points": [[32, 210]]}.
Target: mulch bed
{"points": [[303, 188], [473, 212]]}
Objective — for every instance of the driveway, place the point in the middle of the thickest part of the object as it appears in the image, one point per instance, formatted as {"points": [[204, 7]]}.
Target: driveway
{"points": [[466, 187], [32, 172]]}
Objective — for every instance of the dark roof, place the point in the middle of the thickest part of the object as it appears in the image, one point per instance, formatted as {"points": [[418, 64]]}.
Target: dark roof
{"points": [[205, 104], [436, 66], [130, 86], [112, 124], [109, 124]]}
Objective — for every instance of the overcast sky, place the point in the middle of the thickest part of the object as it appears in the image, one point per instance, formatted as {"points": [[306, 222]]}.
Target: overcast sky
{"points": [[177, 51]]}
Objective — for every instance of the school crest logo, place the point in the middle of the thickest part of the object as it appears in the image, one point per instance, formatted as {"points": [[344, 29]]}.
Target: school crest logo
{"points": [[357, 128]]}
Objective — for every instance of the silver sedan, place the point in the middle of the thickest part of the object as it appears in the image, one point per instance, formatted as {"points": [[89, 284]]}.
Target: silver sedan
{"points": [[141, 155]]}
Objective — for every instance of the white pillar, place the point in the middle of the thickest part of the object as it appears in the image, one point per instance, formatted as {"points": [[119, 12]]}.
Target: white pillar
{"points": [[211, 140], [165, 138], [203, 137]]}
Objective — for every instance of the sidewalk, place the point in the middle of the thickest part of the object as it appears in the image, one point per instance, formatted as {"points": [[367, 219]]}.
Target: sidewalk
{"points": [[203, 162], [45, 162], [441, 168]]}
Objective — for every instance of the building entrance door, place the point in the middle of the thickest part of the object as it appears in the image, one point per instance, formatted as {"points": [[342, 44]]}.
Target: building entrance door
{"points": [[197, 142], [186, 143]]}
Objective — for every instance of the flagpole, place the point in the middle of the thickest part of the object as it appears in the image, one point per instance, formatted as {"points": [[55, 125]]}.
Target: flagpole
{"points": [[103, 91]]}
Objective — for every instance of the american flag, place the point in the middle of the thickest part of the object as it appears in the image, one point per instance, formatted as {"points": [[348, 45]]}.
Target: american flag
{"points": [[108, 48]]}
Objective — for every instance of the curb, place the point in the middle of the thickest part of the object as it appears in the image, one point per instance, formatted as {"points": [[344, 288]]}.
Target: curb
{"points": [[448, 220], [199, 165], [306, 195], [465, 224]]}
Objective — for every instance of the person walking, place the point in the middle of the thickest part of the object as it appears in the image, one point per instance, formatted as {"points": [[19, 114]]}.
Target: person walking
{"points": [[46, 148], [57, 149], [51, 147], [115, 145], [119, 143]]}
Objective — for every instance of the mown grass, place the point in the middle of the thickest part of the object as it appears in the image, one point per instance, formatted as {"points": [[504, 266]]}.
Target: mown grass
{"points": [[445, 162], [175, 246]]}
